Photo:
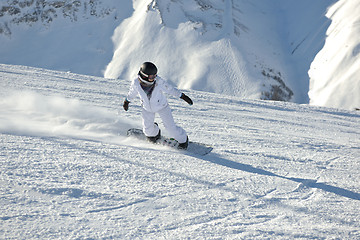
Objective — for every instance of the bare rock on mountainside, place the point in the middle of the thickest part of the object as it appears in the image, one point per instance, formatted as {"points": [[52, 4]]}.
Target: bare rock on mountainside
{"points": [[28, 12]]}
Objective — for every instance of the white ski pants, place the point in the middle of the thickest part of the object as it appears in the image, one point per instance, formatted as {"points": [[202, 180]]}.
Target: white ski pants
{"points": [[150, 129]]}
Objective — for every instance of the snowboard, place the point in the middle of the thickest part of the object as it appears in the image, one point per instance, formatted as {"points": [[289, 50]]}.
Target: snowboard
{"points": [[193, 147]]}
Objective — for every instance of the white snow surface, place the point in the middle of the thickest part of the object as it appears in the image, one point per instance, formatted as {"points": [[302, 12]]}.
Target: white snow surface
{"points": [[335, 72], [239, 48], [278, 170], [76, 39]]}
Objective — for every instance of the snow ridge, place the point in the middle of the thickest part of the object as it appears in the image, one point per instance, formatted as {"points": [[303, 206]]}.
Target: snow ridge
{"points": [[334, 73]]}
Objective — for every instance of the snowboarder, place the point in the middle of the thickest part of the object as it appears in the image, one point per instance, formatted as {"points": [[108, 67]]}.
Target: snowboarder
{"points": [[150, 88]]}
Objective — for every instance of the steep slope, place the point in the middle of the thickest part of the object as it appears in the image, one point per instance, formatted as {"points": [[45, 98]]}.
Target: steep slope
{"points": [[334, 73], [205, 45], [68, 171], [301, 27]]}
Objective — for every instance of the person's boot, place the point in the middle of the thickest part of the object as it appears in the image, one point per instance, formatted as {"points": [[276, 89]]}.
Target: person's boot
{"points": [[155, 138], [183, 146]]}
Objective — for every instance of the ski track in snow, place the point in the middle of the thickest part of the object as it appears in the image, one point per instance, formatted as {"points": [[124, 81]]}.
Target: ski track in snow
{"points": [[278, 170]]}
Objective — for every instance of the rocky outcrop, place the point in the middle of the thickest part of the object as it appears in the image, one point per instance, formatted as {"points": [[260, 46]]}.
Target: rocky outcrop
{"points": [[30, 12]]}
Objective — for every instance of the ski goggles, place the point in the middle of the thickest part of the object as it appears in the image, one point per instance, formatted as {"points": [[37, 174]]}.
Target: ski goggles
{"points": [[146, 77], [146, 80], [151, 78]]}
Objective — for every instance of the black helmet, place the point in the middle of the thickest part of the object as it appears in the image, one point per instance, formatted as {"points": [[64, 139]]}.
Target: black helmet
{"points": [[148, 71]]}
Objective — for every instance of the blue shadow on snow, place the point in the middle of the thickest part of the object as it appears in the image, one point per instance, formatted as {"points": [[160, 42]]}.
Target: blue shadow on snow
{"points": [[213, 158]]}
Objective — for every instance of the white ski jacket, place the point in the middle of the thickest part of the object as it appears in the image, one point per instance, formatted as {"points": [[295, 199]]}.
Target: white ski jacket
{"points": [[157, 100]]}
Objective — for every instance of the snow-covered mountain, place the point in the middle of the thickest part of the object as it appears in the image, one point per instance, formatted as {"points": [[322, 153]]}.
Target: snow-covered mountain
{"points": [[252, 49], [64, 35], [335, 71], [67, 171]]}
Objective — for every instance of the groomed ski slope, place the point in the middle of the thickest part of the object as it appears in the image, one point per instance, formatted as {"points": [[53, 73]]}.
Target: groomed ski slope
{"points": [[278, 170]]}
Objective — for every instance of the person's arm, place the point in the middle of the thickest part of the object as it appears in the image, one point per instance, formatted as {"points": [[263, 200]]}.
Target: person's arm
{"points": [[174, 91], [130, 96]]}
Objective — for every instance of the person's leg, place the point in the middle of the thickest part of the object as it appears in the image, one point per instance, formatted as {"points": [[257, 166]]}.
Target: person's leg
{"points": [[175, 131], [150, 129]]}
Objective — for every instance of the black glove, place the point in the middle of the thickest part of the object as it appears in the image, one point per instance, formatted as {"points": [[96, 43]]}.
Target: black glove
{"points": [[186, 99], [126, 105]]}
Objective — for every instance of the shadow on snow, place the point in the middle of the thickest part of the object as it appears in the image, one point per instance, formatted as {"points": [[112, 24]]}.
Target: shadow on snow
{"points": [[213, 158]]}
